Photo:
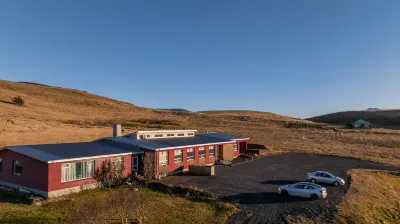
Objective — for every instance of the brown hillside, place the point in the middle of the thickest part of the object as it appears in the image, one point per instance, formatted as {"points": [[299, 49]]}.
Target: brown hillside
{"points": [[53, 114], [379, 118]]}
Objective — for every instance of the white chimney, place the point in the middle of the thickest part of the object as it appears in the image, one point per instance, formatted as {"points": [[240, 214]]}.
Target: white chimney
{"points": [[117, 130]]}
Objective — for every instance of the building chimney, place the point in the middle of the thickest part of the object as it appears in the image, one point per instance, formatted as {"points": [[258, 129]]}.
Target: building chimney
{"points": [[117, 130]]}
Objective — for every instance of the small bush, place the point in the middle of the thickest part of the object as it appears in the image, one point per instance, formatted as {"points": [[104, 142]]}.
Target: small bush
{"points": [[18, 101]]}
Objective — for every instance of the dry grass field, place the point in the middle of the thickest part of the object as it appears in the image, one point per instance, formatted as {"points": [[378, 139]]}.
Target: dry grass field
{"points": [[14, 211], [373, 197], [53, 114]]}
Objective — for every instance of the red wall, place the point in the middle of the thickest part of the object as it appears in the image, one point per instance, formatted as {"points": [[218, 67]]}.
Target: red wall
{"points": [[55, 173], [240, 148], [171, 163], [34, 172]]}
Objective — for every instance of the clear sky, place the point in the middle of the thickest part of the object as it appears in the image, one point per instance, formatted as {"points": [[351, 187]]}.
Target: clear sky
{"points": [[297, 58]]}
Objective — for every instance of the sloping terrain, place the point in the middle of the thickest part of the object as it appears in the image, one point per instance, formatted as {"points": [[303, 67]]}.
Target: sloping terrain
{"points": [[378, 118], [53, 114]]}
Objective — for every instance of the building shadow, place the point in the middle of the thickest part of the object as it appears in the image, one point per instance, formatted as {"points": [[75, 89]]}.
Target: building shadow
{"points": [[12, 199], [262, 198]]}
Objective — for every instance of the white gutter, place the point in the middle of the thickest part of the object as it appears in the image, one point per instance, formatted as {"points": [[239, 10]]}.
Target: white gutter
{"points": [[90, 157]]}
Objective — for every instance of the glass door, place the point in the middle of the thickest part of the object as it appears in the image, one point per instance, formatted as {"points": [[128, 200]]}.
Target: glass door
{"points": [[135, 163]]}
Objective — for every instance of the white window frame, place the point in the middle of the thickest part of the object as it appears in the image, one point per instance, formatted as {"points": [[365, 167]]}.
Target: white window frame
{"points": [[170, 135], [209, 150], [190, 134], [235, 146], [158, 135], [14, 163], [189, 158], [163, 162], [204, 154], [68, 174], [178, 160], [180, 135]]}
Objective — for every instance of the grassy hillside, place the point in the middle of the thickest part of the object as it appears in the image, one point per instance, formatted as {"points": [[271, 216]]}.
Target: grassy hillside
{"points": [[379, 118], [368, 201], [53, 114]]}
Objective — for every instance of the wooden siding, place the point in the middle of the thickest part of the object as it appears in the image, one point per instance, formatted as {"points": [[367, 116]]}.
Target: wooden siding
{"points": [[227, 152]]}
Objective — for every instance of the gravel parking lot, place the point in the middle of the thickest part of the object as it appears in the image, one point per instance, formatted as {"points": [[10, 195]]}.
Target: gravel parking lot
{"points": [[254, 186]]}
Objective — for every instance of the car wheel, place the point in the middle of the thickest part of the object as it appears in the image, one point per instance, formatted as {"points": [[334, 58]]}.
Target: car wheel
{"points": [[284, 193], [313, 181], [314, 197], [335, 183]]}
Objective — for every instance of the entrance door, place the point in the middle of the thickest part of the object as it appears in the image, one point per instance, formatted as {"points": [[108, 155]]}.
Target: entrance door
{"points": [[220, 152], [135, 163]]}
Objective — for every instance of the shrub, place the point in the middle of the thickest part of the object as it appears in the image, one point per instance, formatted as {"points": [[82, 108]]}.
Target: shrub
{"points": [[18, 101], [110, 173]]}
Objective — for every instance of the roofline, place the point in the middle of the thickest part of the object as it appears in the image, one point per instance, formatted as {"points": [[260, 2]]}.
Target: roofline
{"points": [[238, 139], [6, 147], [186, 146], [164, 131], [71, 159], [90, 157]]}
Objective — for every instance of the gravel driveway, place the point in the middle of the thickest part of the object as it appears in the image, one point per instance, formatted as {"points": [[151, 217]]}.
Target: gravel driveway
{"points": [[254, 186]]}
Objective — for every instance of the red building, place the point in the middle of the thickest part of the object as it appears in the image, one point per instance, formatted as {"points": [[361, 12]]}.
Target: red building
{"points": [[52, 170]]}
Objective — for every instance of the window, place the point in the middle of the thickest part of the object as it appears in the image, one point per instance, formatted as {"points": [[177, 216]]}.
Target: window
{"points": [[158, 136], [1, 164], [178, 156], [310, 187], [181, 134], [300, 186], [163, 158], [211, 151], [17, 167], [190, 134], [190, 154], [170, 135], [78, 170], [235, 146], [202, 152]]}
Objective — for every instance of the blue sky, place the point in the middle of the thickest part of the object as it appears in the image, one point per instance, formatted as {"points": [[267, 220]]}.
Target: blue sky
{"points": [[297, 58]]}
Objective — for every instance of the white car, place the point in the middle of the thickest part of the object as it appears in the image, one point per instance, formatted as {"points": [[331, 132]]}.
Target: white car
{"points": [[303, 189], [324, 177]]}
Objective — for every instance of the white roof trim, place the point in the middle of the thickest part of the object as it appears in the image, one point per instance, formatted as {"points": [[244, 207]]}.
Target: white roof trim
{"points": [[165, 131], [90, 157]]}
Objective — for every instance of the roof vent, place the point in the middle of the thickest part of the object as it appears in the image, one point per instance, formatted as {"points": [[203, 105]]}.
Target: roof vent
{"points": [[117, 130]]}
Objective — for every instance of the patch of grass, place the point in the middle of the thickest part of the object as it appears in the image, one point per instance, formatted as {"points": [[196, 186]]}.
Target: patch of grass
{"points": [[373, 197], [159, 208], [302, 125]]}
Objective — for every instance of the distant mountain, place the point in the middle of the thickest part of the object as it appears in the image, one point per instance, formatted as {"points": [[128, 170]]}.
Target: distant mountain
{"points": [[177, 110], [378, 118]]}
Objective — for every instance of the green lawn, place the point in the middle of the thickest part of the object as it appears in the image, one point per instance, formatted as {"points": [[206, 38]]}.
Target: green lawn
{"points": [[158, 208]]}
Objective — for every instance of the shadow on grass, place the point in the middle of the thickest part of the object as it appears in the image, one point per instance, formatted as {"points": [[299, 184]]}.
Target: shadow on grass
{"points": [[263, 198], [3, 101], [12, 199]]}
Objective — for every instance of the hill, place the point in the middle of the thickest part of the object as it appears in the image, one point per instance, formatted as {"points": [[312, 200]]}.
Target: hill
{"points": [[378, 118], [55, 114]]}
